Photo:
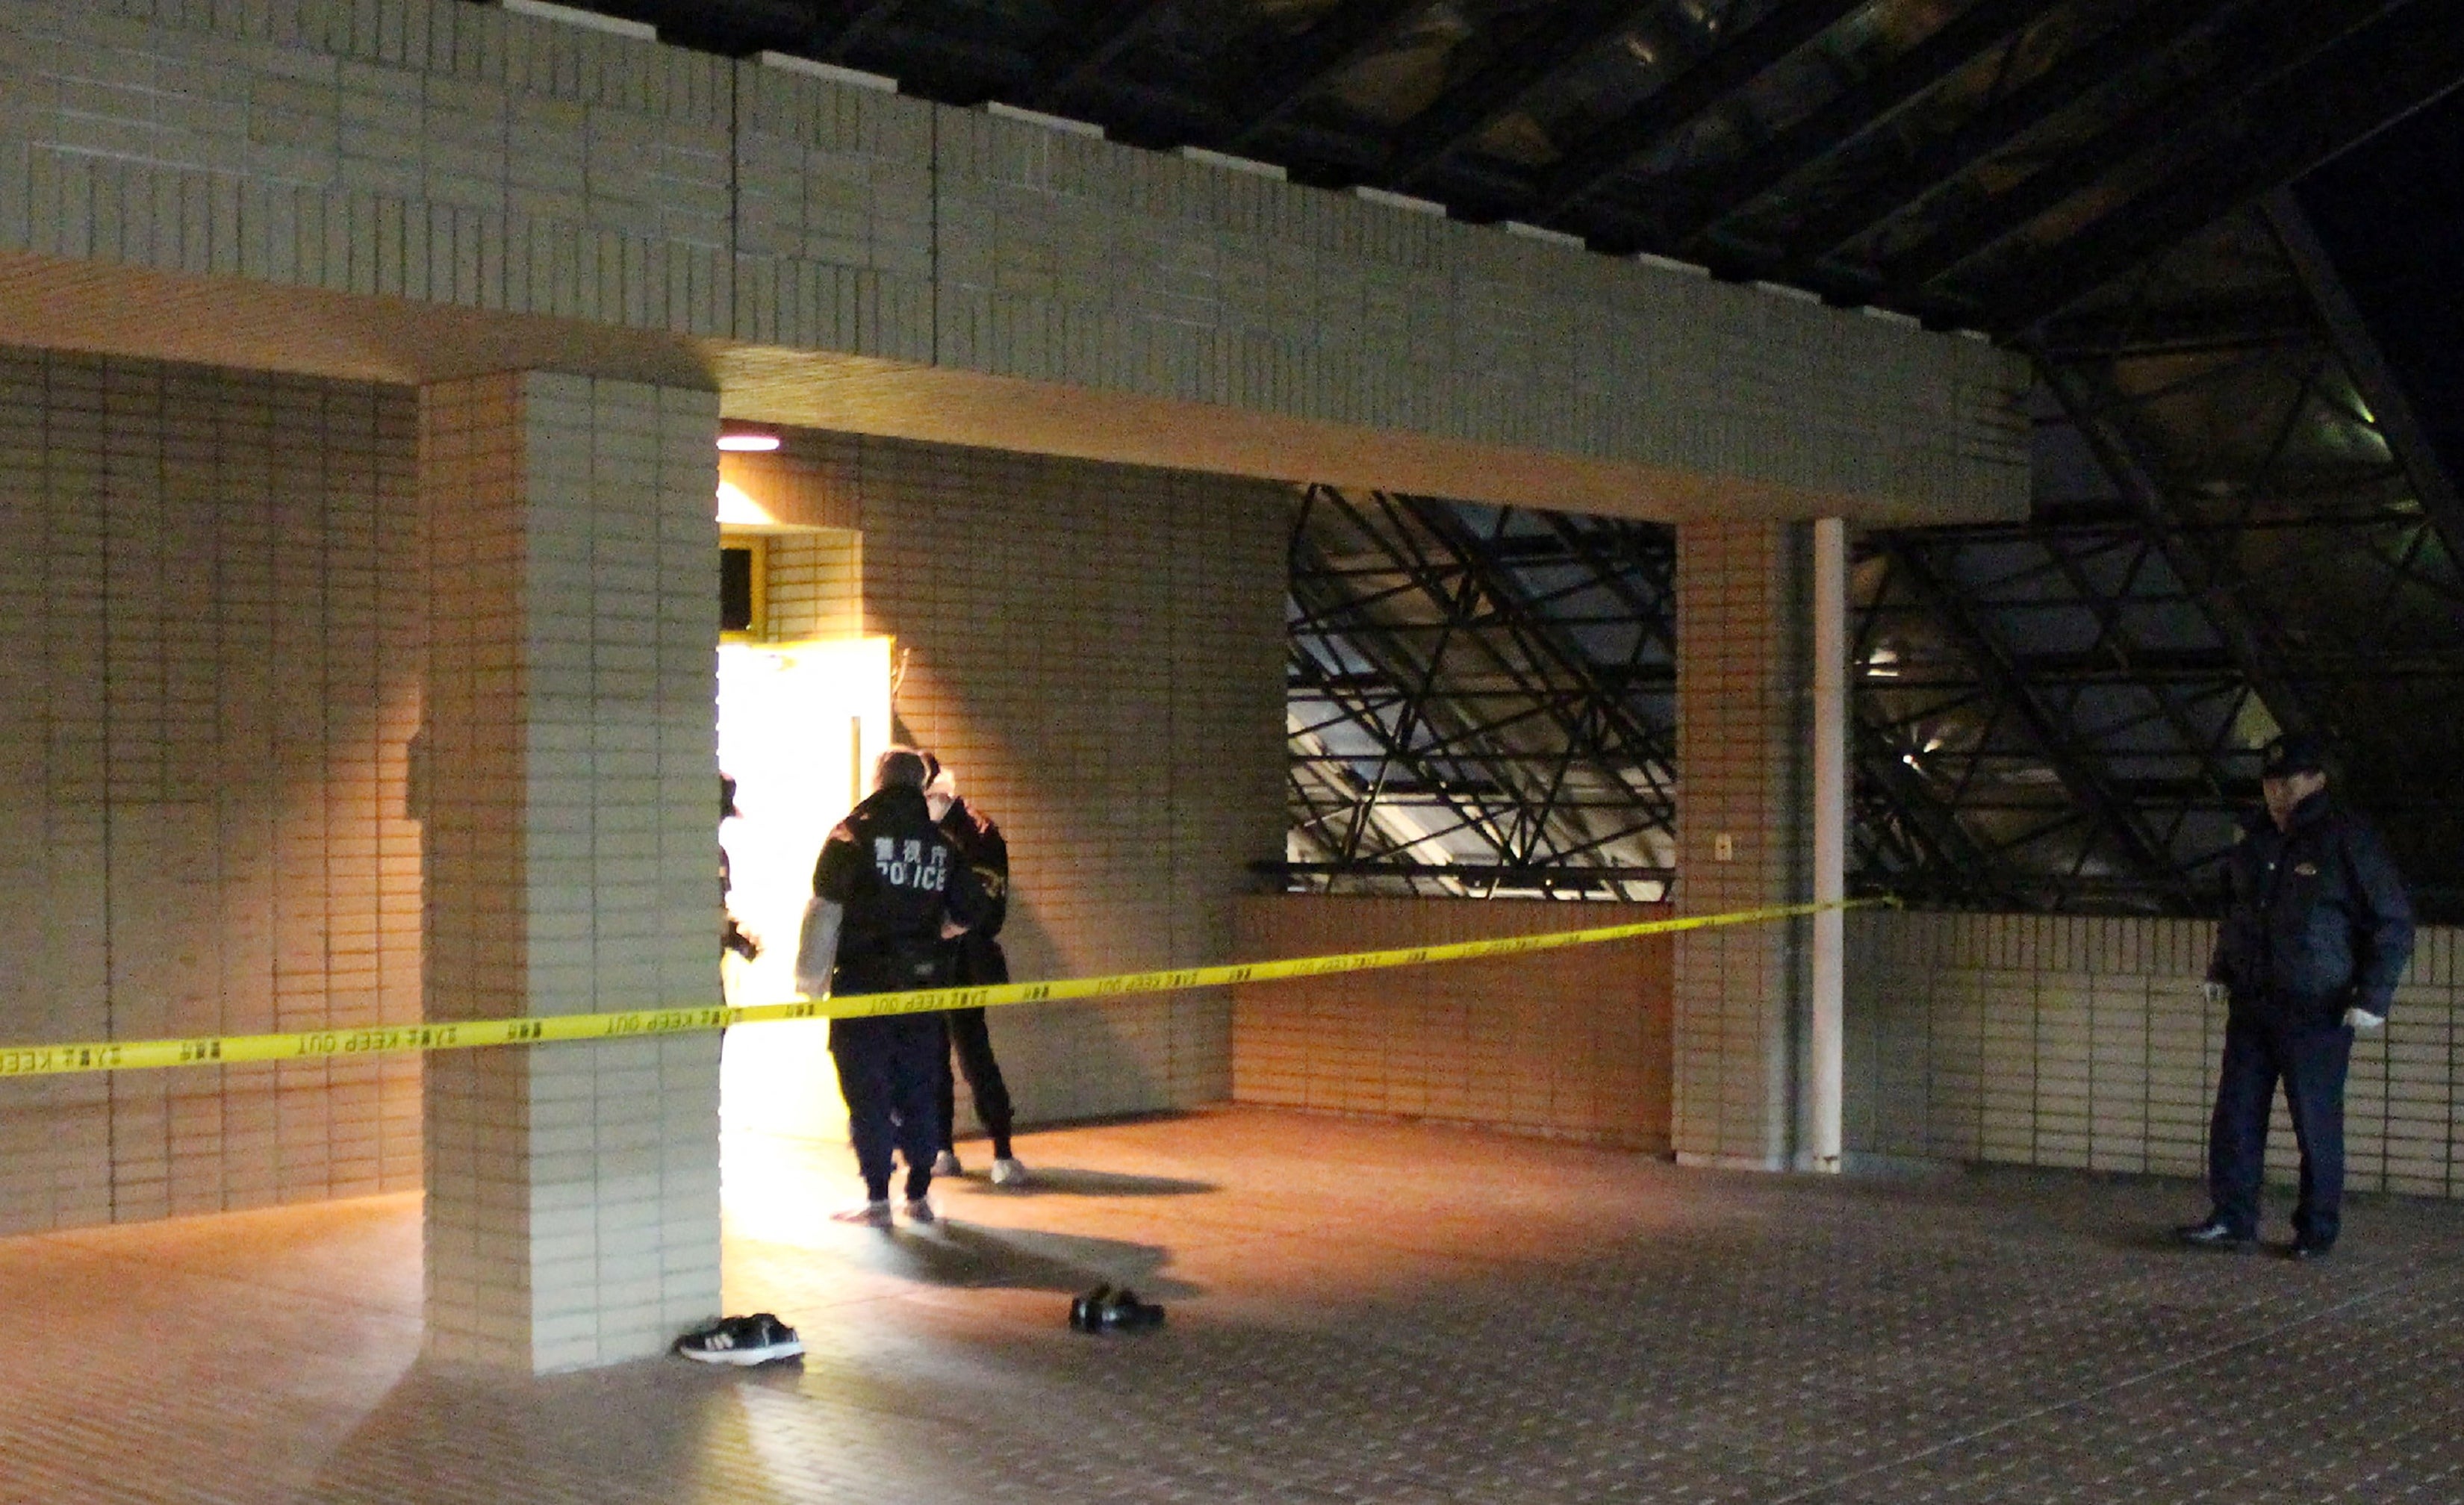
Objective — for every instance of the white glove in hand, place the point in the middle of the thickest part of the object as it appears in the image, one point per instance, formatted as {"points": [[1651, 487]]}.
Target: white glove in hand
{"points": [[2362, 1019], [2216, 991]]}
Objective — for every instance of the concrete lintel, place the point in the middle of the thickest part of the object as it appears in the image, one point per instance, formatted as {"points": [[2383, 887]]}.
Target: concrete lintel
{"points": [[56, 303]]}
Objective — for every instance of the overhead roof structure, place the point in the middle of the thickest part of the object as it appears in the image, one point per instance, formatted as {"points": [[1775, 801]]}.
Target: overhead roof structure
{"points": [[2223, 230], [1985, 163], [2225, 543]]}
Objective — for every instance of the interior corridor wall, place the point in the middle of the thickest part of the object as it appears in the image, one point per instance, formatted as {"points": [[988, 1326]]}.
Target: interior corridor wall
{"points": [[211, 641], [1571, 1044], [2081, 1041], [1097, 651]]}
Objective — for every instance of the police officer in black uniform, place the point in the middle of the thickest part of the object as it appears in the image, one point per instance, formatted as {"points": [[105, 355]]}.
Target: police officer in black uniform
{"points": [[903, 892], [978, 962], [2317, 930]]}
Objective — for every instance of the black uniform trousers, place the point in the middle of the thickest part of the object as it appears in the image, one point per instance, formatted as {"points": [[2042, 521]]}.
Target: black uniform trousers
{"points": [[887, 1065], [2310, 1060], [974, 1044]]}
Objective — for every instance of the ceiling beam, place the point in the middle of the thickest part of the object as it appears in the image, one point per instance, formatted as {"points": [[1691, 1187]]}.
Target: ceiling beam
{"points": [[1863, 106], [857, 19], [2390, 405], [2155, 30], [2367, 81], [926, 61], [1680, 100], [2262, 47], [1261, 96], [2215, 325], [1564, 36], [1085, 48]]}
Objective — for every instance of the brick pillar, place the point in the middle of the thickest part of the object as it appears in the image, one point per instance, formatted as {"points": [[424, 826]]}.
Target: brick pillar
{"points": [[1745, 837], [566, 784]]}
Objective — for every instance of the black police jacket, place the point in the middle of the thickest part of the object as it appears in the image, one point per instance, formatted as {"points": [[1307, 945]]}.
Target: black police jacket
{"points": [[898, 878], [2316, 918], [980, 845]]}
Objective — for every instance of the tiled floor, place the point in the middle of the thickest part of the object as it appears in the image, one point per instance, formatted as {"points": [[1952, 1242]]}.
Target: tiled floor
{"points": [[1359, 1312]]}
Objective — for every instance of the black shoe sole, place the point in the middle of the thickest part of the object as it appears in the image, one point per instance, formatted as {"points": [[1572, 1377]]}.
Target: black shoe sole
{"points": [[2219, 1246]]}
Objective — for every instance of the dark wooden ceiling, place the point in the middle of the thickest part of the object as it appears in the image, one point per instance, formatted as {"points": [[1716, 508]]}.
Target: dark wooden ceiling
{"points": [[1975, 163]]}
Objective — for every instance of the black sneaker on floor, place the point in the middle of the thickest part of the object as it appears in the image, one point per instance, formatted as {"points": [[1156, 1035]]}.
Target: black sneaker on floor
{"points": [[741, 1340], [1106, 1310]]}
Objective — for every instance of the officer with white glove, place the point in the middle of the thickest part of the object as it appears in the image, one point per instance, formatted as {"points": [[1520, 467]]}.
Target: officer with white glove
{"points": [[2317, 929]]}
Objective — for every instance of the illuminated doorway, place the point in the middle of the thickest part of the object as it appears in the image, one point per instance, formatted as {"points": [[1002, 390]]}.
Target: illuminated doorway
{"points": [[799, 726]]}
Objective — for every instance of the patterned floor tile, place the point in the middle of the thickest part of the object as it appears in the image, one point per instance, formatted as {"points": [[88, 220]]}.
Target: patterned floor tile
{"points": [[1357, 1312]]}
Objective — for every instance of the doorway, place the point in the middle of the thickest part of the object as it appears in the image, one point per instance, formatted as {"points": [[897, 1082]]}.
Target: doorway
{"points": [[799, 726]]}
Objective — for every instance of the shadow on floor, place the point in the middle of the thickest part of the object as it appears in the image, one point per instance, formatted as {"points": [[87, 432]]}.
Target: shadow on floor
{"points": [[979, 1257], [1066, 1181], [450, 1432]]}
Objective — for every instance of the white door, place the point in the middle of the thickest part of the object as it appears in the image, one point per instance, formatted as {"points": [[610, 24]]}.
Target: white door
{"points": [[799, 726]]}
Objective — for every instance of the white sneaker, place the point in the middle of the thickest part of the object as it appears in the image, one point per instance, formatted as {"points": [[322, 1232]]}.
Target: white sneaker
{"points": [[741, 1340], [947, 1164], [872, 1214], [920, 1212], [1008, 1173]]}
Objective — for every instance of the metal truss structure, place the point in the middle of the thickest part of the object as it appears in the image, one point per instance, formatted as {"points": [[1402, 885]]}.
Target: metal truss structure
{"points": [[2246, 418], [1479, 699], [2060, 714], [2228, 541]]}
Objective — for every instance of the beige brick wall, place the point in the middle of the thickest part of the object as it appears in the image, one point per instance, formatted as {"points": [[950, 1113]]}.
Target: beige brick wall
{"points": [[1082, 261], [1571, 1044], [458, 155], [210, 594], [815, 584], [1742, 739], [1097, 651], [2049, 1040], [218, 581]]}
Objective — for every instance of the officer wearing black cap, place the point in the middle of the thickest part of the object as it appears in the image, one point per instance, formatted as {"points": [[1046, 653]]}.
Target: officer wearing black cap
{"points": [[902, 890], [2317, 929]]}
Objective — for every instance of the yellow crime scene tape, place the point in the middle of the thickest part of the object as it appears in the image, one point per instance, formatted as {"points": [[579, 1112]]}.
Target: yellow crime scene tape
{"points": [[53, 1060]]}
